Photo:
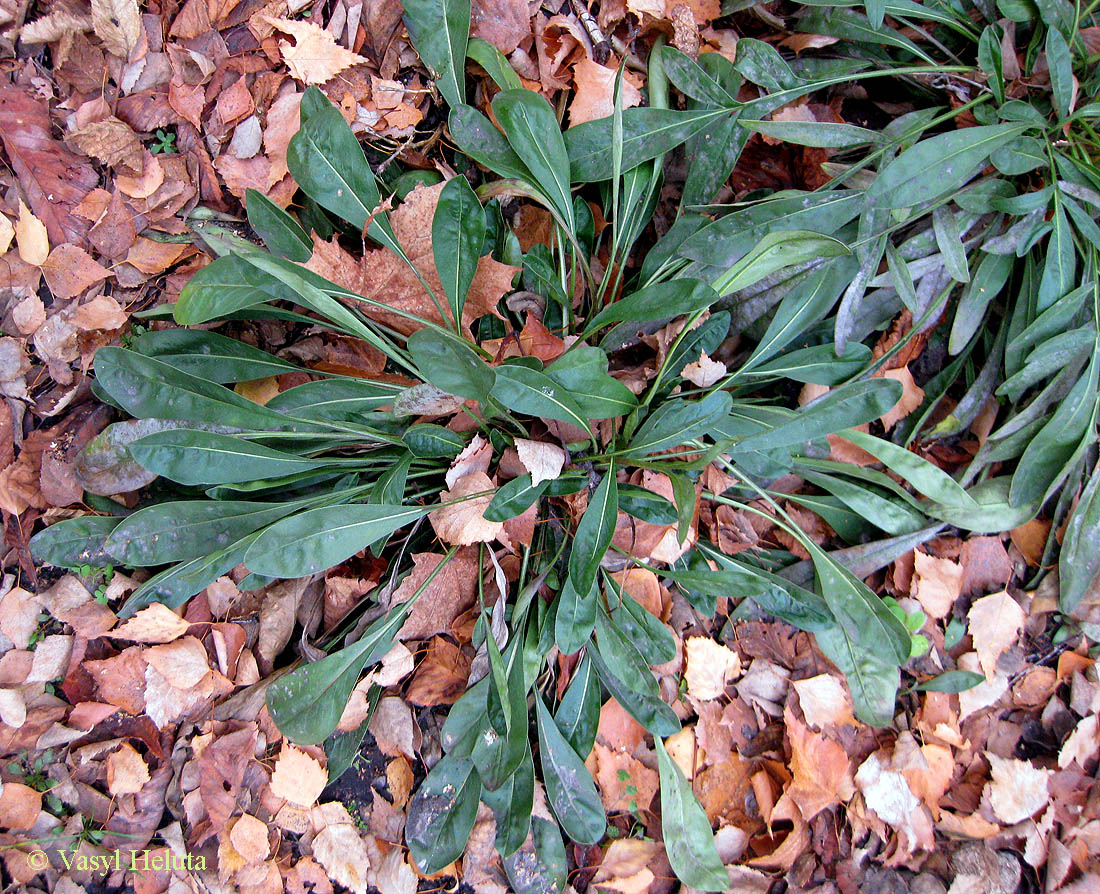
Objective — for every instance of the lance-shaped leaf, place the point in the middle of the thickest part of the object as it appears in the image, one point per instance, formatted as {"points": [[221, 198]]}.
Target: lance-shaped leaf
{"points": [[188, 456], [451, 364], [75, 541], [280, 232], [678, 421], [439, 30], [570, 788], [657, 302], [536, 394], [209, 355], [594, 533], [1079, 561], [442, 814], [458, 232]]}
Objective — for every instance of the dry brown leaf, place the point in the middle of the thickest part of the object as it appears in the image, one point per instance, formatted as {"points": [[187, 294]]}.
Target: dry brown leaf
{"points": [[441, 677], [626, 784], [824, 701], [51, 659], [887, 793], [29, 315], [936, 583], [58, 25], [154, 624], [475, 457], [504, 23], [449, 594], [19, 610], [315, 57], [465, 523], [118, 24], [820, 769], [1017, 790], [30, 236], [19, 806], [995, 624], [625, 865], [298, 777], [113, 142], [594, 92], [393, 728], [183, 662], [912, 395], [544, 461], [1082, 743], [710, 666], [249, 838], [1030, 539], [127, 771], [704, 372], [69, 271]]}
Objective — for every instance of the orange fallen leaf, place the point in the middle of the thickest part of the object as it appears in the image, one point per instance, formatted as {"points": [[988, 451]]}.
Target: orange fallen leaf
{"points": [[127, 771], [995, 624], [912, 395], [249, 838], [298, 777], [30, 236], [594, 91], [154, 624], [936, 583]]}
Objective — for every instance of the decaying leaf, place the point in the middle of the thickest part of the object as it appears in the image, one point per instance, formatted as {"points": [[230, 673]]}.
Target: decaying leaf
{"points": [[30, 236], [118, 25], [710, 666], [298, 777], [464, 522], [314, 57], [995, 622], [544, 461], [1018, 789]]}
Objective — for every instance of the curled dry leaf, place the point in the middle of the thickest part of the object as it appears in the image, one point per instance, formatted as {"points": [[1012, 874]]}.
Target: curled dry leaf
{"points": [[824, 701], [544, 461], [912, 395], [821, 771], [710, 666], [314, 57], [154, 624], [465, 523], [886, 792], [298, 777], [936, 583], [704, 372]]}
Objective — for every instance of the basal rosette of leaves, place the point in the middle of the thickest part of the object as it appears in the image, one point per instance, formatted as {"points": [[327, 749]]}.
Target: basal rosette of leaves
{"points": [[995, 222]]}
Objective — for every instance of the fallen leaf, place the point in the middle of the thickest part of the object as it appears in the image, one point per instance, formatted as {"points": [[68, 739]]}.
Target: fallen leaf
{"points": [[101, 313], [393, 728], [184, 661], [118, 24], [704, 372], [625, 866], [995, 624], [30, 236], [155, 623], [127, 771], [594, 92], [1082, 743], [912, 396], [19, 806], [824, 701], [709, 667], [626, 784], [314, 57], [441, 677], [465, 523], [820, 770], [887, 793], [544, 461], [113, 142], [1030, 539], [249, 838], [1017, 790], [7, 232], [298, 777], [503, 23], [449, 594], [936, 583]]}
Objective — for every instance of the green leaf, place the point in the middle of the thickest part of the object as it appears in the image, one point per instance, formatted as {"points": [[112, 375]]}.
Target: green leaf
{"points": [[346, 400], [74, 541], [925, 477], [439, 30], [843, 407], [820, 134], [428, 440], [478, 138], [652, 713], [341, 749], [989, 279], [306, 704], [624, 656], [994, 512], [327, 162], [818, 365], [657, 302], [951, 681], [280, 232], [653, 638], [686, 830], [494, 62], [946, 228], [498, 754], [937, 165], [225, 286], [858, 610], [578, 715], [458, 233], [647, 133], [646, 505], [536, 394], [511, 805], [1060, 269], [761, 64], [209, 355], [775, 251], [1079, 561], [574, 618], [691, 79], [594, 533], [534, 135], [570, 789], [872, 682], [318, 539], [583, 373], [189, 529], [147, 387], [678, 421], [539, 867], [451, 364], [188, 456], [442, 813], [514, 498], [1060, 66]]}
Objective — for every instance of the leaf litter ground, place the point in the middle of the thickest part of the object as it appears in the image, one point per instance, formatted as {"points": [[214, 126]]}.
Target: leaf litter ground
{"points": [[152, 732]]}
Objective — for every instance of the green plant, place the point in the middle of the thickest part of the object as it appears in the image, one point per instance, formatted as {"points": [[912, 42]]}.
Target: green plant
{"points": [[165, 143], [338, 465]]}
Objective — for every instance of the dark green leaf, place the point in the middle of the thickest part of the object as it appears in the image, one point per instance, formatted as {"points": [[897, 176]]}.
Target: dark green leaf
{"points": [[450, 364], [188, 456], [575, 617], [442, 813], [594, 533], [657, 302], [646, 505], [511, 804], [578, 715], [820, 134], [691, 79], [494, 62], [428, 440], [951, 681], [652, 713], [224, 286], [1079, 561], [872, 682], [439, 30], [280, 232], [536, 394], [74, 541], [209, 355], [570, 789], [539, 867], [476, 136], [514, 498], [458, 233], [583, 373]]}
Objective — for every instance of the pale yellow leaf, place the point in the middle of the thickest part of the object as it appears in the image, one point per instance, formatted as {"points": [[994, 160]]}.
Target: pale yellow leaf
{"points": [[704, 372], [55, 26], [183, 662], [249, 838], [936, 584], [30, 236], [154, 624], [824, 700], [1017, 790], [298, 778], [710, 666], [127, 771], [118, 25], [314, 57], [995, 624], [465, 523], [1081, 743], [340, 850], [7, 233], [544, 461]]}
